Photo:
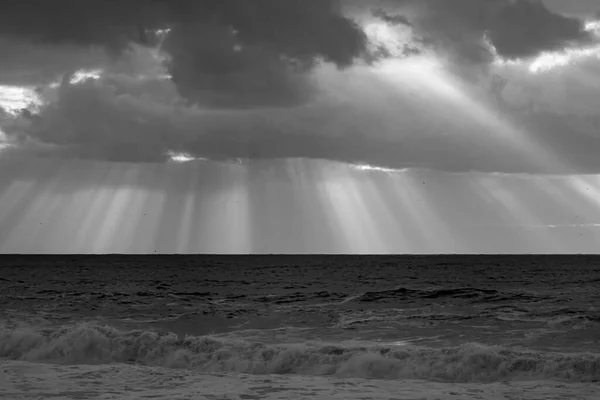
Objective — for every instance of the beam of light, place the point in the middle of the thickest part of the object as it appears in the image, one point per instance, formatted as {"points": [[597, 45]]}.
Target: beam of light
{"points": [[578, 197], [426, 224], [117, 215], [516, 212], [588, 187], [352, 217], [184, 233], [116, 225], [15, 193], [92, 207], [225, 215], [100, 214], [129, 209], [157, 52], [25, 204], [162, 35], [4, 143], [318, 229], [428, 77]]}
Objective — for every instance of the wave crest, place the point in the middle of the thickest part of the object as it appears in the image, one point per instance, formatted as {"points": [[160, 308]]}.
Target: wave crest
{"points": [[94, 344]]}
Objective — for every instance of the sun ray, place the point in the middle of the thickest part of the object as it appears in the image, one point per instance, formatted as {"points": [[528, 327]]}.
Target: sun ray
{"points": [[184, 232], [95, 210], [116, 227], [428, 76], [428, 228], [319, 225], [588, 187], [225, 215], [342, 196], [516, 213]]}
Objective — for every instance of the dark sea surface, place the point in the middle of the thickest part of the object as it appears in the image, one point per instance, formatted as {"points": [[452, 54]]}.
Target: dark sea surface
{"points": [[250, 327]]}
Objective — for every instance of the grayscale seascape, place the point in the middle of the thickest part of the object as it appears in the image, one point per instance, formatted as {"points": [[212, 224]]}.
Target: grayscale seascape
{"points": [[286, 327], [403, 149]]}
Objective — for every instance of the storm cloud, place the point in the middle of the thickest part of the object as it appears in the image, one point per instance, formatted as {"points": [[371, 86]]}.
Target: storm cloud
{"points": [[224, 50], [273, 79], [464, 29]]}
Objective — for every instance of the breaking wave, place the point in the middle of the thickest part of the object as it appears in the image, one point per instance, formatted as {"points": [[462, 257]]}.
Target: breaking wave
{"points": [[95, 344]]}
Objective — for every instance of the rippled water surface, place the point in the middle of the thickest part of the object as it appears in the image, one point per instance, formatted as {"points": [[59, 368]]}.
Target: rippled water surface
{"points": [[433, 325]]}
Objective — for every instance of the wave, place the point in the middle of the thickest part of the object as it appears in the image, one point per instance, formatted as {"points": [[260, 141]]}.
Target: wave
{"points": [[95, 344], [565, 318], [397, 294], [468, 293]]}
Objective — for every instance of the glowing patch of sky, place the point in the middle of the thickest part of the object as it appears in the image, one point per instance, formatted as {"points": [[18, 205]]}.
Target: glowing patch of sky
{"points": [[593, 26], [16, 98], [382, 35], [83, 75], [180, 157], [549, 61], [364, 167]]}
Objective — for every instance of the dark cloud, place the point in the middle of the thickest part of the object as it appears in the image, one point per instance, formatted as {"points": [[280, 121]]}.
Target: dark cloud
{"points": [[390, 18], [208, 68], [226, 51], [247, 80], [524, 28], [360, 117], [25, 63], [517, 29]]}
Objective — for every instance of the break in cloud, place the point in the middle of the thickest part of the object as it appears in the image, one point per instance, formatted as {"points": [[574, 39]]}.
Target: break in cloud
{"points": [[278, 78]]}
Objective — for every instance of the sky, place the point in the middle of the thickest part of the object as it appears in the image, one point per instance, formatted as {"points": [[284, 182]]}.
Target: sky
{"points": [[300, 126]]}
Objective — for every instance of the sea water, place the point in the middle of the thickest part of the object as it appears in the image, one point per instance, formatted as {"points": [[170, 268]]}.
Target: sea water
{"points": [[287, 327]]}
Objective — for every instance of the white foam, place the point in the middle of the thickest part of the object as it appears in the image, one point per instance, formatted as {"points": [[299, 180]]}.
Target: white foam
{"points": [[471, 362], [20, 380]]}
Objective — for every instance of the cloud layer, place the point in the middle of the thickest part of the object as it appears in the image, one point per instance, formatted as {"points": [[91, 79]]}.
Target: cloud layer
{"points": [[219, 49], [284, 78], [515, 28]]}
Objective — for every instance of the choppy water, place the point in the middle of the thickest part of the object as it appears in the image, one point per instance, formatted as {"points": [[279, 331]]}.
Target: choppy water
{"points": [[300, 327]]}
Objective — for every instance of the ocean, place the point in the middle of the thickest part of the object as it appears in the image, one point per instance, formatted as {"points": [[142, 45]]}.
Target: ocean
{"points": [[300, 327]]}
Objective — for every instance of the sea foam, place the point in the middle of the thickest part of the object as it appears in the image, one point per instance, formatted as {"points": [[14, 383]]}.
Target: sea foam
{"points": [[89, 344]]}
